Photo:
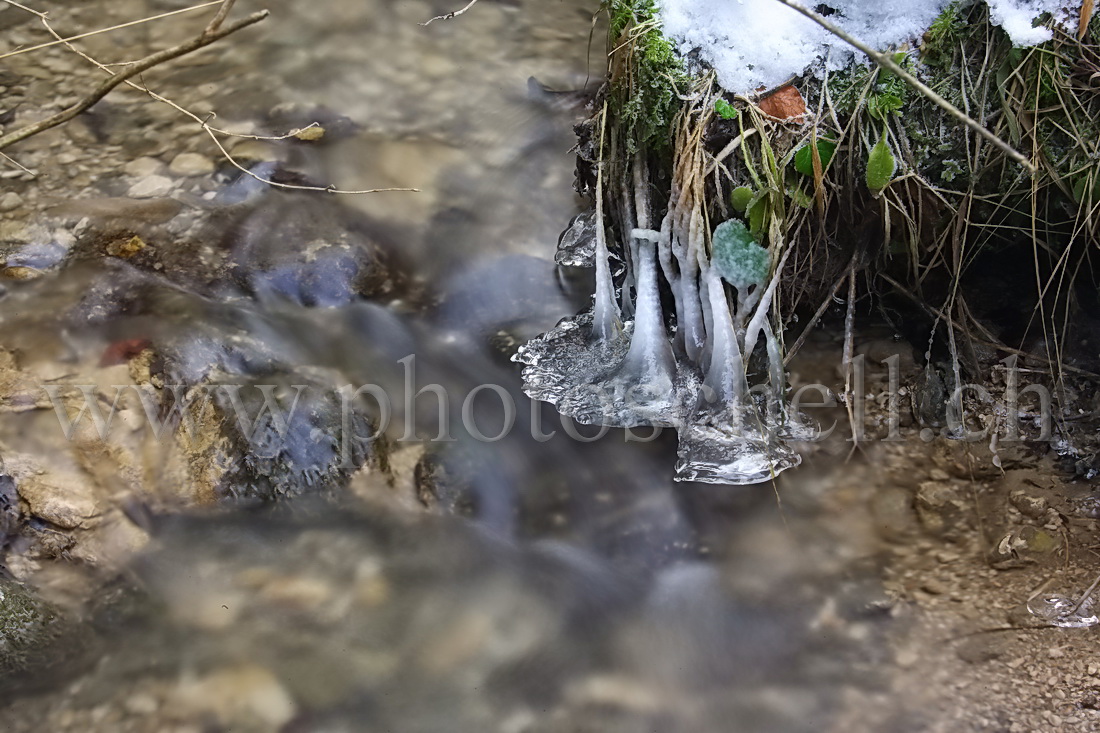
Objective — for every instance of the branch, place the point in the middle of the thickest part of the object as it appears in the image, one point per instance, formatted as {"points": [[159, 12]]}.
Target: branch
{"points": [[219, 18], [136, 68], [886, 62], [107, 30], [453, 14]]}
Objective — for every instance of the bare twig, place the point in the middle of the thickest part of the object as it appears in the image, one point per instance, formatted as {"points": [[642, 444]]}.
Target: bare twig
{"points": [[453, 14], [16, 163], [79, 36], [216, 22], [206, 38], [886, 62], [136, 68]]}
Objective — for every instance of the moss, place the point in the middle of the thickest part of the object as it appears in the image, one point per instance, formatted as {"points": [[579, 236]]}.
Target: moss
{"points": [[645, 86], [28, 629]]}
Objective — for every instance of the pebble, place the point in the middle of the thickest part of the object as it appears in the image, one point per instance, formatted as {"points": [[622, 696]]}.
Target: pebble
{"points": [[10, 201], [191, 164], [142, 167], [151, 187]]}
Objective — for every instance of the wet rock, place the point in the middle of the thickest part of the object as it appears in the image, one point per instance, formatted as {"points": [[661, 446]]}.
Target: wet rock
{"points": [[246, 698], [152, 187], [128, 210], [9, 509], [191, 164], [68, 502], [10, 201], [143, 167], [312, 251], [943, 508]]}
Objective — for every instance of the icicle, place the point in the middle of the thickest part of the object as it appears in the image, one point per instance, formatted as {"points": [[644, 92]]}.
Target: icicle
{"points": [[725, 372], [606, 322]]}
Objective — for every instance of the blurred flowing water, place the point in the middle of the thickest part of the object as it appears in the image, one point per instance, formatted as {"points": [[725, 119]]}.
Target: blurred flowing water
{"points": [[554, 585]]}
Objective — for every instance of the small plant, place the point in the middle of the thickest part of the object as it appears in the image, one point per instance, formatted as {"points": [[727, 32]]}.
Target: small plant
{"points": [[804, 158], [881, 166], [725, 110], [740, 260]]}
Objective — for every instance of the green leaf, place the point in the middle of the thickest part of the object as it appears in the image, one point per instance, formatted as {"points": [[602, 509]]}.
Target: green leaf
{"points": [[725, 110], [740, 198], [758, 211], [739, 259], [880, 106], [803, 158], [881, 166], [800, 197]]}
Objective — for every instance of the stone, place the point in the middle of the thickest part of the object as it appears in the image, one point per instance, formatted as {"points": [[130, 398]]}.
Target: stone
{"points": [[143, 167], [10, 201], [65, 502], [247, 697], [152, 187], [191, 164], [941, 507]]}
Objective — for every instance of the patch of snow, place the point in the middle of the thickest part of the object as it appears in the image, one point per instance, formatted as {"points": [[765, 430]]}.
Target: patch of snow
{"points": [[762, 43]]}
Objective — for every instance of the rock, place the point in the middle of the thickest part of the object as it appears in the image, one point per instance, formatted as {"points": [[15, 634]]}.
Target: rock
{"points": [[1028, 505], [246, 698], [191, 164], [143, 167], [942, 508], [152, 187], [10, 201], [9, 509], [64, 502]]}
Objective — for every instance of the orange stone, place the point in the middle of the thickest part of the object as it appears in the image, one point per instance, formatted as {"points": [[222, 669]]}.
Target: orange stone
{"points": [[785, 103]]}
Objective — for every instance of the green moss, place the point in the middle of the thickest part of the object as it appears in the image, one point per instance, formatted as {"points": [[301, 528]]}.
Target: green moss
{"points": [[646, 86], [28, 628]]}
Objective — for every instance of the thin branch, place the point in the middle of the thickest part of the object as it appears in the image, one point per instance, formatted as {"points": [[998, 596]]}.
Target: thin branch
{"points": [[105, 30], [886, 62], [114, 80], [292, 186], [218, 19], [454, 14]]}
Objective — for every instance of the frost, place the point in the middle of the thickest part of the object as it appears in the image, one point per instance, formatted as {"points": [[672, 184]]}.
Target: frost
{"points": [[762, 43]]}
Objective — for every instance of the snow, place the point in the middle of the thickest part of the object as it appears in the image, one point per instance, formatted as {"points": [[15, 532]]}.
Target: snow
{"points": [[762, 43]]}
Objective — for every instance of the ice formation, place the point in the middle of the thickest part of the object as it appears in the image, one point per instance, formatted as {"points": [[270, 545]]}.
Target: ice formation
{"points": [[762, 43], [624, 363]]}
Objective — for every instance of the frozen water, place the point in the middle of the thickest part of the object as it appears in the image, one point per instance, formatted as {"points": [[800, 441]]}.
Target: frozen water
{"points": [[577, 244], [762, 43], [1061, 611]]}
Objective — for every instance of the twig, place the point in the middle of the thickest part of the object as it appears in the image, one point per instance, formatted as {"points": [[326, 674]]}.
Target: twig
{"points": [[18, 165], [138, 67], [886, 62], [216, 23], [106, 30], [204, 122], [453, 14]]}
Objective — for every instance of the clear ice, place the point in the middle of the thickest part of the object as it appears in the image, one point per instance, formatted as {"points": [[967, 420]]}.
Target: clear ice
{"points": [[626, 363]]}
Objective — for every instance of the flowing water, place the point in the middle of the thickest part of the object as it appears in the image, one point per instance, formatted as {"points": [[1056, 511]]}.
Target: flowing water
{"points": [[312, 581]]}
